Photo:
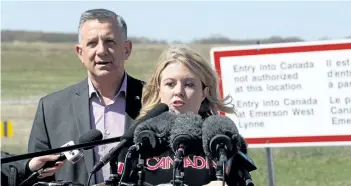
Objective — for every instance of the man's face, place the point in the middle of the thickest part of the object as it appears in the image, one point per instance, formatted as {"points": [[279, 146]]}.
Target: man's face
{"points": [[102, 48]]}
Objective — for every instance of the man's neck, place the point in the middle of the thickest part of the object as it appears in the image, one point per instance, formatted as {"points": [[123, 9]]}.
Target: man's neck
{"points": [[107, 86]]}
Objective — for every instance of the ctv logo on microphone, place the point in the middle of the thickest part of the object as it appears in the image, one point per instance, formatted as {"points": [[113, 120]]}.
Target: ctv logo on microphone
{"points": [[74, 155]]}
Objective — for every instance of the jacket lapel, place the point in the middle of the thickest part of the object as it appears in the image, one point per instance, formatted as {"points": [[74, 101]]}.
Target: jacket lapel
{"points": [[82, 115], [82, 112], [133, 101]]}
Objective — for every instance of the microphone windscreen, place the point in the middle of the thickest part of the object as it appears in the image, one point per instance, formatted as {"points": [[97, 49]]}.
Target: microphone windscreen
{"points": [[157, 110], [90, 136], [188, 124], [243, 144], [160, 124], [217, 124]]}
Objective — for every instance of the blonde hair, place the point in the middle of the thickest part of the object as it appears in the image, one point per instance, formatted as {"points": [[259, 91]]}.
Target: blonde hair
{"points": [[198, 65]]}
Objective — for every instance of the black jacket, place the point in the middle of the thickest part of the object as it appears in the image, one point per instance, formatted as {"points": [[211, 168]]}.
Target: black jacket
{"points": [[64, 116], [13, 173]]}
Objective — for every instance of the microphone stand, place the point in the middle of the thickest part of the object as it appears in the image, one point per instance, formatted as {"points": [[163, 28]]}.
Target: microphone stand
{"points": [[141, 171], [222, 161], [140, 168], [178, 168], [112, 180]]}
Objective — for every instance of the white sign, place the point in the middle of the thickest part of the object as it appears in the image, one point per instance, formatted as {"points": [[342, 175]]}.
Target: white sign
{"points": [[289, 94]]}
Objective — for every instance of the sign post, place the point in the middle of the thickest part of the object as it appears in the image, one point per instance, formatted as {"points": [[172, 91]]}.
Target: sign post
{"points": [[289, 94]]}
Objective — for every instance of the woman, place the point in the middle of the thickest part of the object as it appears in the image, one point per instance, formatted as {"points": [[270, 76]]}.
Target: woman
{"points": [[185, 82]]}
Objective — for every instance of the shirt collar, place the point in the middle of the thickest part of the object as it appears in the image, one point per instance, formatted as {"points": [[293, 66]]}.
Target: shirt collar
{"points": [[123, 88]]}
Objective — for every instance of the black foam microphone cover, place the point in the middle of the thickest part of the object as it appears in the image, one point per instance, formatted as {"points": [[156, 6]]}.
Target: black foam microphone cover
{"points": [[186, 130], [219, 126], [90, 136]]}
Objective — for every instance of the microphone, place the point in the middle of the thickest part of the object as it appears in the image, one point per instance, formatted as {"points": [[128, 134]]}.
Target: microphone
{"points": [[218, 130], [185, 137], [148, 135], [243, 144], [153, 132], [241, 164], [186, 132], [217, 135], [71, 156], [127, 139], [221, 140], [75, 155], [59, 150]]}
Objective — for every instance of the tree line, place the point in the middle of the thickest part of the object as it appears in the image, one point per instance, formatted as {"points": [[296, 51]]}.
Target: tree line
{"points": [[32, 36]]}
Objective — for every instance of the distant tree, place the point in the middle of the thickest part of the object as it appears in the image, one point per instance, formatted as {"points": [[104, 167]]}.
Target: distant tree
{"points": [[220, 39], [32, 36], [19, 35], [323, 38]]}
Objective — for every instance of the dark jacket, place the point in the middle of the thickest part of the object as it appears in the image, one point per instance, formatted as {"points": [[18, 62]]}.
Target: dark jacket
{"points": [[13, 173], [64, 116]]}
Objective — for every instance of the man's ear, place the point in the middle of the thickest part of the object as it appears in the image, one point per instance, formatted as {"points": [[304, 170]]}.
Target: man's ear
{"points": [[206, 92], [79, 52], [127, 49]]}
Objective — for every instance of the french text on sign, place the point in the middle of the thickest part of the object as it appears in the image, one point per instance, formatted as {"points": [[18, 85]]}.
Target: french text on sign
{"points": [[289, 94]]}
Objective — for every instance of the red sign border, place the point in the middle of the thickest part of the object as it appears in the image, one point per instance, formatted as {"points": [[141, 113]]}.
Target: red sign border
{"points": [[217, 55]]}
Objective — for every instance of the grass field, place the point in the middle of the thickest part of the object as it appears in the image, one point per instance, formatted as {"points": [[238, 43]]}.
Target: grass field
{"points": [[29, 71]]}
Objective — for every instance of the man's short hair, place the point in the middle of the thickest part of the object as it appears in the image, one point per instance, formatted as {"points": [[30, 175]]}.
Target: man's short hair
{"points": [[103, 14]]}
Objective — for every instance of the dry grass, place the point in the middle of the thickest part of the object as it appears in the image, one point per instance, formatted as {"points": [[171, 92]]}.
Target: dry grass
{"points": [[30, 71]]}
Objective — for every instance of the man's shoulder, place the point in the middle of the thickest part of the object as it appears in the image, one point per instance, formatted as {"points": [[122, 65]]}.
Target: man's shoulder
{"points": [[65, 95], [134, 81]]}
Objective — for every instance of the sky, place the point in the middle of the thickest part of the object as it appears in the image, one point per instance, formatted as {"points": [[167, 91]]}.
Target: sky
{"points": [[188, 20]]}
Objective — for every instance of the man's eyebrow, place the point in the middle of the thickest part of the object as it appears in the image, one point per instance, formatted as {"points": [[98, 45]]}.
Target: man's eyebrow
{"points": [[108, 36], [91, 39]]}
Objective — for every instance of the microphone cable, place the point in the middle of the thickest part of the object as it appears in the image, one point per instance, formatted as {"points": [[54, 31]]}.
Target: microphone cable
{"points": [[124, 168], [90, 175]]}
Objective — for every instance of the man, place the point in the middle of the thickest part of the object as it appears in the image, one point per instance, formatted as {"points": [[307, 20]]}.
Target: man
{"points": [[108, 99]]}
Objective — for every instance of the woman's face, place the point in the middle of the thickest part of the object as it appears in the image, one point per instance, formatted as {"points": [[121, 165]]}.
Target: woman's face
{"points": [[181, 89]]}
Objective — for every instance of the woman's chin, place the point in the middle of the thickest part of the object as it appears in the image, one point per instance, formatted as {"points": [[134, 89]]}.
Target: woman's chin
{"points": [[176, 110], [179, 110]]}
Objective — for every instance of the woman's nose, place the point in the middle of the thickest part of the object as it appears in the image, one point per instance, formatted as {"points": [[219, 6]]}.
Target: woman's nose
{"points": [[179, 91]]}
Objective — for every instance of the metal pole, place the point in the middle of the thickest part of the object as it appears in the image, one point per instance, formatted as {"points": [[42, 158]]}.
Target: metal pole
{"points": [[270, 166], [269, 156]]}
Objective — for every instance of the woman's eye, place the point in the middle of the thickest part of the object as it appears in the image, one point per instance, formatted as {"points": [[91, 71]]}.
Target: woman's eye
{"points": [[189, 84], [170, 84]]}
